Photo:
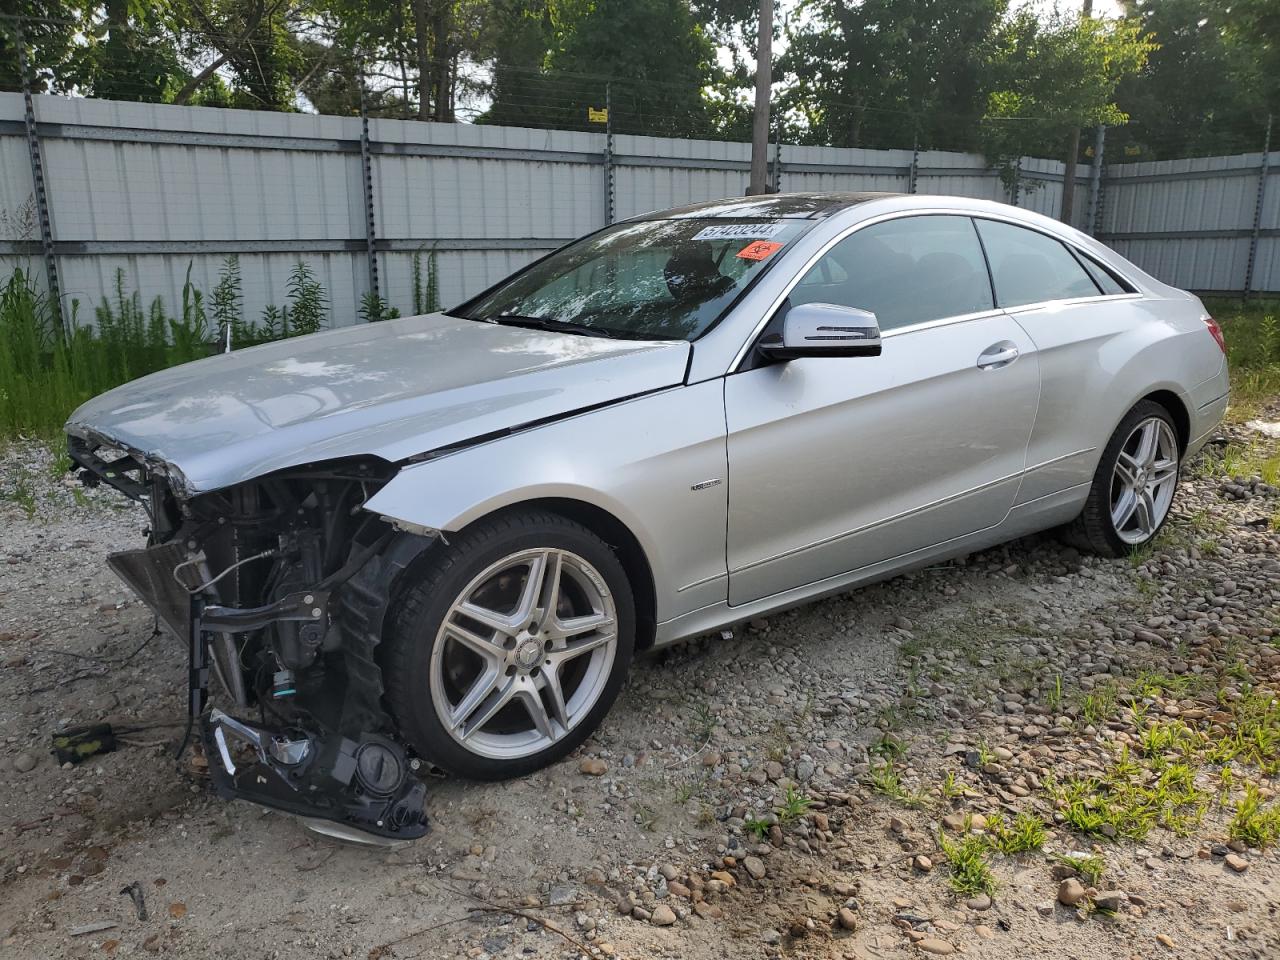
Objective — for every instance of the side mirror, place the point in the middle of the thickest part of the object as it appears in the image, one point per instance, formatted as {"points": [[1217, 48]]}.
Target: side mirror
{"points": [[824, 330]]}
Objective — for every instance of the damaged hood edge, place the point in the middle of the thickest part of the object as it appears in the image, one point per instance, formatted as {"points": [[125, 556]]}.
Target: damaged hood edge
{"points": [[394, 390]]}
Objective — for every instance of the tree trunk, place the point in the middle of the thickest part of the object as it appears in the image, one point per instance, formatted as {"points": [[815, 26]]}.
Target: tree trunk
{"points": [[420, 32], [441, 56], [1067, 213], [760, 122]]}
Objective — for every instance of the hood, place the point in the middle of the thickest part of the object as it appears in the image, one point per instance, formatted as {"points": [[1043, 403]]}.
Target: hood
{"points": [[391, 390]]}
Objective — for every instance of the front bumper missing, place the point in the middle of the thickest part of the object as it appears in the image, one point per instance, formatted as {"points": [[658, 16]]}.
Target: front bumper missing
{"points": [[363, 785], [367, 786]]}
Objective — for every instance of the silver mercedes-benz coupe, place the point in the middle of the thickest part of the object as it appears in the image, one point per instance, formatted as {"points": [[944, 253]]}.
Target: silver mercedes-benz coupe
{"points": [[443, 538]]}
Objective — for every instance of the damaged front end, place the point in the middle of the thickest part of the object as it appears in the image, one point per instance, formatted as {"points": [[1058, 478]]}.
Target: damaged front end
{"points": [[279, 587]]}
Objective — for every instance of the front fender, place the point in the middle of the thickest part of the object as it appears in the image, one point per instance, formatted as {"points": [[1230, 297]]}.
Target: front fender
{"points": [[639, 460]]}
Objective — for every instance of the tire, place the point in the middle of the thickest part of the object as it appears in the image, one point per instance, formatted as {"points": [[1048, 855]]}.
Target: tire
{"points": [[446, 672], [1096, 528]]}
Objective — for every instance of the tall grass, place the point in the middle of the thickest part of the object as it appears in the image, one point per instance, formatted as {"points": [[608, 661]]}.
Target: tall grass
{"points": [[1252, 332], [44, 377]]}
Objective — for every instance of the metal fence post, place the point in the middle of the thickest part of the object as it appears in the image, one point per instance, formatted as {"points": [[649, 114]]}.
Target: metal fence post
{"points": [[608, 153], [1094, 216], [366, 170], [39, 188], [1257, 210], [1016, 186], [913, 173], [777, 161]]}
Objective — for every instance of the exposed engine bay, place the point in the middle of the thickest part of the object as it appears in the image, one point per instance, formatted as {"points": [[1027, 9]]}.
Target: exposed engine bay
{"points": [[279, 587]]}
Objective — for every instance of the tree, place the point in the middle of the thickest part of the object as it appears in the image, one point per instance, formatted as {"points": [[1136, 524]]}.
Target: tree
{"points": [[654, 54], [50, 37], [888, 73], [1056, 75], [1200, 92]]}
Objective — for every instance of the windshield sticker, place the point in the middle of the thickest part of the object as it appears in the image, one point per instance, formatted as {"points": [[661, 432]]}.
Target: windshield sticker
{"points": [[740, 231], [760, 250]]}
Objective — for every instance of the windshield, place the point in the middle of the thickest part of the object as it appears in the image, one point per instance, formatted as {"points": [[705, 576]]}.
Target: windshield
{"points": [[652, 279]]}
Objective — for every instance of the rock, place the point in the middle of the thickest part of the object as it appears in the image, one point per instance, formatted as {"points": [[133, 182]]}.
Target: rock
{"points": [[954, 822], [593, 767], [678, 889], [640, 913], [1111, 901], [771, 937], [24, 763], [707, 911], [922, 863], [1237, 863], [755, 867], [1165, 940], [663, 916], [1070, 892], [980, 902], [847, 918], [933, 945]]}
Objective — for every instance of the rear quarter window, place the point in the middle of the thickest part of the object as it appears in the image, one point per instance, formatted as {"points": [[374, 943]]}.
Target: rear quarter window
{"points": [[1030, 267]]}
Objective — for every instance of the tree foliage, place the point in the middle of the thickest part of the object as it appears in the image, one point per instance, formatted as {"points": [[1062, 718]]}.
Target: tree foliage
{"points": [[1189, 76], [1052, 76]]}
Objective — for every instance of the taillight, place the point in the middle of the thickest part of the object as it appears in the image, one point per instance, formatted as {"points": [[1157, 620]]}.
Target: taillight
{"points": [[1216, 332]]}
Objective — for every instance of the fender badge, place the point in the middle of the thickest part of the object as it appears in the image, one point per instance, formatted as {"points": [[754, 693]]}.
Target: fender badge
{"points": [[704, 484]]}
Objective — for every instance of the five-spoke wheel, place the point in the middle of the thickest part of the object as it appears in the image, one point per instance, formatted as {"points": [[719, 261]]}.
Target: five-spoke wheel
{"points": [[523, 653], [1134, 484], [1143, 480], [510, 645]]}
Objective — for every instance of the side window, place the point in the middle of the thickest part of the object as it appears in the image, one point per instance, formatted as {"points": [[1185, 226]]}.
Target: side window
{"points": [[1107, 282], [905, 271], [1029, 267]]}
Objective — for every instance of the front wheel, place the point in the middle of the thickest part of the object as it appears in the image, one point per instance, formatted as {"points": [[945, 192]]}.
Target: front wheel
{"points": [[510, 645], [1133, 486]]}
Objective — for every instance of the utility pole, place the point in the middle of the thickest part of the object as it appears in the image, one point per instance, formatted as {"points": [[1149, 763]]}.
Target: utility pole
{"points": [[1073, 150], [760, 122]]}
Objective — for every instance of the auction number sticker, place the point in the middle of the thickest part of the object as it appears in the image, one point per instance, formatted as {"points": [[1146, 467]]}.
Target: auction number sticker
{"points": [[759, 250], [739, 231]]}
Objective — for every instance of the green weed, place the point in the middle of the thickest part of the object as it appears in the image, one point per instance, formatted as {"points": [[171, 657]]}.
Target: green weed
{"points": [[885, 780], [969, 872], [1090, 867], [1026, 833], [22, 493], [1255, 823], [794, 805]]}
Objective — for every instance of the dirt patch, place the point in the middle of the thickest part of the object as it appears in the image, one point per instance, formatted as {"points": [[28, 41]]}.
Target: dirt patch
{"points": [[780, 793]]}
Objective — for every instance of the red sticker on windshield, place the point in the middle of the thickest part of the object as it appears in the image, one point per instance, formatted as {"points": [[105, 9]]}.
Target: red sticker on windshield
{"points": [[759, 250]]}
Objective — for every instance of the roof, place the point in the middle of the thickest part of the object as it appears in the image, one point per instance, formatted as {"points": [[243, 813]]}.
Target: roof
{"points": [[797, 206]]}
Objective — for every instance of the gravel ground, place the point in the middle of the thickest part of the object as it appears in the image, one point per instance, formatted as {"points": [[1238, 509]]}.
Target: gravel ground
{"points": [[811, 787]]}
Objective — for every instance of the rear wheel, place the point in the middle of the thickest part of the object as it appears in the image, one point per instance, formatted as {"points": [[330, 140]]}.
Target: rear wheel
{"points": [[510, 645], [1134, 485]]}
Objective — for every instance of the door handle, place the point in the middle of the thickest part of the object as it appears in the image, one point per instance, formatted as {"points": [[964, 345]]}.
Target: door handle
{"points": [[999, 355]]}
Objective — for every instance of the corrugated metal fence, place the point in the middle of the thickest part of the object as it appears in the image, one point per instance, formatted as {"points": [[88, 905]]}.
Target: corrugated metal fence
{"points": [[158, 190]]}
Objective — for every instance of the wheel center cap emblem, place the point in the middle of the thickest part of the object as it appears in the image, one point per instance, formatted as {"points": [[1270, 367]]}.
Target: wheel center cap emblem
{"points": [[529, 653]]}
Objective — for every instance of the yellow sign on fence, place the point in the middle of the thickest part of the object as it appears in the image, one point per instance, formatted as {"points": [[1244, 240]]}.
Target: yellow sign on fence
{"points": [[597, 116]]}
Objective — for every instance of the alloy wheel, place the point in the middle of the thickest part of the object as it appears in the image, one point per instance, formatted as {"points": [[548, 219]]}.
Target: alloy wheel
{"points": [[524, 653], [1143, 481]]}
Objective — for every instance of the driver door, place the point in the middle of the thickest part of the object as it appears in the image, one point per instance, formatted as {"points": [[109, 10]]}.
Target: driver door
{"points": [[836, 464]]}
